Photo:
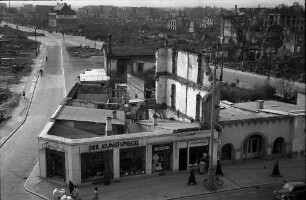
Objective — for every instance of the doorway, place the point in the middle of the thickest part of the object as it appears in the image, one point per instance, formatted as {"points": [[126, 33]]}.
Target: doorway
{"points": [[182, 159]]}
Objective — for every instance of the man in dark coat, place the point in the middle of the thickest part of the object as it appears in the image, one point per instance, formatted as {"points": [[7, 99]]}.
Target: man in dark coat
{"points": [[192, 178], [275, 172], [219, 171]]}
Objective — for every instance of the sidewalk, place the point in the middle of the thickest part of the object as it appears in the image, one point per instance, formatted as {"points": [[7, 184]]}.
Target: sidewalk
{"points": [[174, 184], [19, 114]]}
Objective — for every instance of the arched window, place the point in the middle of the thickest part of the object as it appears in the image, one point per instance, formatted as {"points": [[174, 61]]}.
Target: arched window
{"points": [[226, 152], [198, 103], [278, 146], [173, 96]]}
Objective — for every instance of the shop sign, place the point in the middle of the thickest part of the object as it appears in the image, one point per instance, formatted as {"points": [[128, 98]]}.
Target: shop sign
{"points": [[198, 142], [162, 147], [113, 145]]}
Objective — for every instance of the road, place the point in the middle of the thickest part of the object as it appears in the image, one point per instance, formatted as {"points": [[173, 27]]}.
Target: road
{"points": [[249, 80], [253, 193], [19, 154]]}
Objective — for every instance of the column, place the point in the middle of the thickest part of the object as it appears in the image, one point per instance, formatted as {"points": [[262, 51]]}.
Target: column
{"points": [[116, 163], [73, 166], [149, 159], [175, 152], [42, 162]]}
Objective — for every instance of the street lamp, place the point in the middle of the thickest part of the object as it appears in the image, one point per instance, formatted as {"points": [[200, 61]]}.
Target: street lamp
{"points": [[210, 182]]}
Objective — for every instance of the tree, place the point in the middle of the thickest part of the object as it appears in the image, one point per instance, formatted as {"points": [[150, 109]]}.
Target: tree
{"points": [[274, 38]]}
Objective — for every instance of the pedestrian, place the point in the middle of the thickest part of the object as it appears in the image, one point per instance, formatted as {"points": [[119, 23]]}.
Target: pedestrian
{"points": [[46, 58], [41, 72], [96, 194], [275, 172], [107, 177], [23, 94], [192, 178], [218, 169]]}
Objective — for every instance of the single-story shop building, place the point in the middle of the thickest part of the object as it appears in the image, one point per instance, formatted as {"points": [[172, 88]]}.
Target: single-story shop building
{"points": [[69, 154]]}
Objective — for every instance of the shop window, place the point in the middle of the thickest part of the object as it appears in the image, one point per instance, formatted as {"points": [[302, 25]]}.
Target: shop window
{"points": [[195, 153], [140, 67], [161, 157], [55, 164], [95, 165], [132, 161]]}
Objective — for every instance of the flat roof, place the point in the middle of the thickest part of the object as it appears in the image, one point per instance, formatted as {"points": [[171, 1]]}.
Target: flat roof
{"points": [[248, 110], [173, 125], [70, 132], [71, 113], [272, 105]]}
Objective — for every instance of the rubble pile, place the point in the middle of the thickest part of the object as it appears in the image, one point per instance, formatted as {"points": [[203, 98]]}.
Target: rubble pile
{"points": [[16, 59], [83, 51]]}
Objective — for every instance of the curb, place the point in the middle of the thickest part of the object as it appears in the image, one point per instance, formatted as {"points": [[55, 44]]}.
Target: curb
{"points": [[28, 190], [25, 118], [228, 190]]}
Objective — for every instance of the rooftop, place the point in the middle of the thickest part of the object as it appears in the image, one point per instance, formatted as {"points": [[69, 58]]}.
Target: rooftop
{"points": [[231, 112], [81, 114]]}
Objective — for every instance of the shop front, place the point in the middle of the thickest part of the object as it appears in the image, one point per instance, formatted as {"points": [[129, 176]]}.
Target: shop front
{"points": [[162, 157], [132, 161], [55, 164], [94, 166], [197, 148]]}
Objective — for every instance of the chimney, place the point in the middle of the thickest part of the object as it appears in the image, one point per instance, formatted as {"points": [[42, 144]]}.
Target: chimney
{"points": [[109, 49], [260, 104], [114, 114], [108, 127], [154, 119]]}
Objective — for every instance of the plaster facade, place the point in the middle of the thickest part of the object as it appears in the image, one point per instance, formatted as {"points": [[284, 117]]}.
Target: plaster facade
{"points": [[268, 130], [183, 82]]}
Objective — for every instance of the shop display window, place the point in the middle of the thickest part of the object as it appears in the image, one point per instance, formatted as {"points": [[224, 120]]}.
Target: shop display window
{"points": [[195, 154], [55, 164], [94, 166], [132, 161], [161, 157]]}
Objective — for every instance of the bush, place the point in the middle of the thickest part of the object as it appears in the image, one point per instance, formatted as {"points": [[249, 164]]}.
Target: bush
{"points": [[232, 93]]}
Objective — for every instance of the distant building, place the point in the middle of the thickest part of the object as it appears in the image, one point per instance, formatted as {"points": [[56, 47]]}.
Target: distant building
{"points": [[120, 60], [182, 22], [63, 18]]}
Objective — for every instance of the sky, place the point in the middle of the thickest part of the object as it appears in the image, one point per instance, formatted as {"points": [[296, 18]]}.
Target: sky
{"points": [[160, 3]]}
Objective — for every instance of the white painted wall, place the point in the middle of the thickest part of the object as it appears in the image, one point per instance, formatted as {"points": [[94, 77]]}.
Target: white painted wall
{"points": [[235, 134]]}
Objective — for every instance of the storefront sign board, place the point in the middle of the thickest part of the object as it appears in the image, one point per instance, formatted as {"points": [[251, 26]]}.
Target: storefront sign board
{"points": [[113, 145]]}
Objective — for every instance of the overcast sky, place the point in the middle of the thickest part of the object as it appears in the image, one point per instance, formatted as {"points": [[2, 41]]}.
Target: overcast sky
{"points": [[162, 3]]}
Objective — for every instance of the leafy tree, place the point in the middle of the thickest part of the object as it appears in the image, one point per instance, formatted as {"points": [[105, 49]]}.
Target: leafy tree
{"points": [[274, 38]]}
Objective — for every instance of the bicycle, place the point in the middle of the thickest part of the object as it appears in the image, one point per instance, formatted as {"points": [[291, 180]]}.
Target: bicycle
{"points": [[217, 180]]}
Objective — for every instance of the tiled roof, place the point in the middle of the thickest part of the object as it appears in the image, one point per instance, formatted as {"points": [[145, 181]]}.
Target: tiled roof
{"points": [[89, 115]]}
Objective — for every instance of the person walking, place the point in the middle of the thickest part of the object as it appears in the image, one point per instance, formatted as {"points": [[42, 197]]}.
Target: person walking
{"points": [[96, 194], [219, 171], [23, 94], [275, 172], [192, 178], [41, 71], [46, 58]]}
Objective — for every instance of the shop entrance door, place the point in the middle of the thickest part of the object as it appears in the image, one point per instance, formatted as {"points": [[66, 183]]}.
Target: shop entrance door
{"points": [[254, 147], [55, 164], [183, 159]]}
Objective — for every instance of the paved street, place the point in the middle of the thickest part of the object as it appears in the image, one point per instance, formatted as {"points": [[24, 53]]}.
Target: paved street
{"points": [[59, 75], [250, 178]]}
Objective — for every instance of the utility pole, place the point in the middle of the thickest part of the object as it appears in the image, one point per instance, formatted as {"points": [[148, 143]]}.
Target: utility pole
{"points": [[210, 182], [221, 74]]}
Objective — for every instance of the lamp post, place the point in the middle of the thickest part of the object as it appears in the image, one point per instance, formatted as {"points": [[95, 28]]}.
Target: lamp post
{"points": [[210, 182]]}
